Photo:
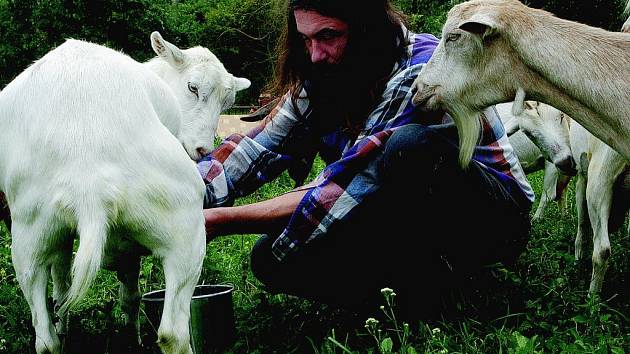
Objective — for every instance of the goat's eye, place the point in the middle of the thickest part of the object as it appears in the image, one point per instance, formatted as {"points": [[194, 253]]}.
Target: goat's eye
{"points": [[192, 88], [453, 37]]}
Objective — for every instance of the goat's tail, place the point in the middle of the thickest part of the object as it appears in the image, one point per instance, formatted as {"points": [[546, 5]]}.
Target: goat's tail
{"points": [[92, 231]]}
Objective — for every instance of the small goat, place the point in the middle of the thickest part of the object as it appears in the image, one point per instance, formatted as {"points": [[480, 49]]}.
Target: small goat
{"points": [[540, 138], [602, 197], [494, 51], [91, 144]]}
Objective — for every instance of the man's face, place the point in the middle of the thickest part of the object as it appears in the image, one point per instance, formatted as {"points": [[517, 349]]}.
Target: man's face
{"points": [[325, 38]]}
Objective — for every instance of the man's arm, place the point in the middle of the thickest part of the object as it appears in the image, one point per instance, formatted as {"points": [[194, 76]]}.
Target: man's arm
{"points": [[263, 217], [243, 163]]}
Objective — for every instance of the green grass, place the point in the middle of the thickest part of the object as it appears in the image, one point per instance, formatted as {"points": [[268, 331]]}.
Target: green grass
{"points": [[540, 305]]}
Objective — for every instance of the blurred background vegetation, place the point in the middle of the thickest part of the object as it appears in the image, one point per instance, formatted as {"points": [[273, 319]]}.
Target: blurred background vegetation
{"points": [[242, 33], [541, 306]]}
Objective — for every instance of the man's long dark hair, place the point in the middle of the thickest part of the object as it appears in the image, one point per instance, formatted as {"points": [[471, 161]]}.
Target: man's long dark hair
{"points": [[376, 41]]}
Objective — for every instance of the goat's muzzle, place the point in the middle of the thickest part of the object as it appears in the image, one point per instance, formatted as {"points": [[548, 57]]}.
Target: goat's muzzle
{"points": [[424, 97]]}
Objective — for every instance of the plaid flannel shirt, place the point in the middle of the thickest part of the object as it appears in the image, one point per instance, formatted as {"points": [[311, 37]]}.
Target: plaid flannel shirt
{"points": [[242, 163]]}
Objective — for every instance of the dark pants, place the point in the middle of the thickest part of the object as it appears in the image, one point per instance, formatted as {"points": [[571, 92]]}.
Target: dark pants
{"points": [[431, 224]]}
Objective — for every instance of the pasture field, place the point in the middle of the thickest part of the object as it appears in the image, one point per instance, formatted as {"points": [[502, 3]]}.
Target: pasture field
{"points": [[540, 305]]}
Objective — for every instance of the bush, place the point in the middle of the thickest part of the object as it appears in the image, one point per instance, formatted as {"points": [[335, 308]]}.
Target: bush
{"points": [[29, 29], [242, 33]]}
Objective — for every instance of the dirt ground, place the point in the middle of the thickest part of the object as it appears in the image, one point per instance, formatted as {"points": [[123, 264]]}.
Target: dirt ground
{"points": [[230, 124]]}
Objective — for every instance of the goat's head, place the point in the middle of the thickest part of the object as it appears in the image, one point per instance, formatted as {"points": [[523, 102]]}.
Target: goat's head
{"points": [[203, 87], [548, 128], [470, 68]]}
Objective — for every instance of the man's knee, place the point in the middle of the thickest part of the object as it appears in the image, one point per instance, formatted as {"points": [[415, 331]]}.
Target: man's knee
{"points": [[262, 260], [415, 147]]}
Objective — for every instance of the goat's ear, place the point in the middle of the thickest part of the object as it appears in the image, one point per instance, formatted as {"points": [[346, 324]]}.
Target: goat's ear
{"points": [[166, 50], [241, 83], [481, 25]]}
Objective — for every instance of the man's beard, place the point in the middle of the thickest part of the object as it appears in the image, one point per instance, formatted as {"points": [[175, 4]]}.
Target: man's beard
{"points": [[341, 93], [331, 82]]}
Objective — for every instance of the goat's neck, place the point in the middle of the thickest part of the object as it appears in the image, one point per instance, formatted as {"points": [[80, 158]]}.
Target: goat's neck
{"points": [[158, 66], [169, 116], [589, 64], [581, 70], [537, 88]]}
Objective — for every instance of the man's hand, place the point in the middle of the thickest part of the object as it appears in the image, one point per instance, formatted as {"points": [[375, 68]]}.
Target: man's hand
{"points": [[214, 220]]}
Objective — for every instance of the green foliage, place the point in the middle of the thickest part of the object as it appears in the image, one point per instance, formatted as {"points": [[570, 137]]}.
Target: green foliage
{"points": [[426, 16], [540, 305], [242, 33], [15, 317], [29, 29], [605, 14]]}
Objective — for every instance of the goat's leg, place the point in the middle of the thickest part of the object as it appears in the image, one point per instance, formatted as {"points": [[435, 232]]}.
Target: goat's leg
{"points": [[173, 333], [129, 295], [28, 255], [550, 180], [182, 256], [542, 205], [60, 270], [603, 171], [561, 195], [599, 211], [583, 224]]}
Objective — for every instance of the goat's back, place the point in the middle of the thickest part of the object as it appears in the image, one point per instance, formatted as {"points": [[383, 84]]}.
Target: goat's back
{"points": [[84, 120]]}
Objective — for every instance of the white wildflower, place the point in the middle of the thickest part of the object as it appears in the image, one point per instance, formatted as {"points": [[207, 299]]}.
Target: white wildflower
{"points": [[387, 291], [371, 322]]}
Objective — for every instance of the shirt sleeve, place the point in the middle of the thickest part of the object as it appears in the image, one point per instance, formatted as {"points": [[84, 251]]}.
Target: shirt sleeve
{"points": [[242, 163], [345, 183]]}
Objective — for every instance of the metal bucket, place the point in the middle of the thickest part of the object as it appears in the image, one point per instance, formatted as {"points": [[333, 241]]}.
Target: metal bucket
{"points": [[212, 327]]}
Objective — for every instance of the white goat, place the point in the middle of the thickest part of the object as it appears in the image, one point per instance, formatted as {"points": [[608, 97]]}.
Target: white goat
{"points": [[602, 196], [540, 138], [494, 51], [91, 143]]}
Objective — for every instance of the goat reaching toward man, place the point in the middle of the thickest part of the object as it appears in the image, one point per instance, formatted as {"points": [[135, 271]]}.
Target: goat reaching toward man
{"points": [[495, 51], [94, 143]]}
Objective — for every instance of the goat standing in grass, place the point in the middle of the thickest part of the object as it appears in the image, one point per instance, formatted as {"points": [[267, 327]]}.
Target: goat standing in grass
{"points": [[494, 51], [602, 197], [91, 143]]}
